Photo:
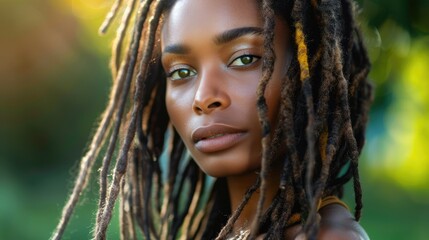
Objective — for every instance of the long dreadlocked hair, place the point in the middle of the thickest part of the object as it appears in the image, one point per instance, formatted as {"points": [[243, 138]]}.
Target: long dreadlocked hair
{"points": [[323, 113]]}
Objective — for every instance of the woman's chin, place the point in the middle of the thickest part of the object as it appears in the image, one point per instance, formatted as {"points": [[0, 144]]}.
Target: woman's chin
{"points": [[223, 170]]}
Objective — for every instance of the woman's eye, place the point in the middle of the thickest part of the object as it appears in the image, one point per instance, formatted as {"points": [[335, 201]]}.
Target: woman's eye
{"points": [[244, 60], [181, 73]]}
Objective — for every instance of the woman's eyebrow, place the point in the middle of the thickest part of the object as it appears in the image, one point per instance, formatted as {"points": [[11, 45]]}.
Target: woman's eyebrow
{"points": [[177, 49], [220, 39], [235, 33]]}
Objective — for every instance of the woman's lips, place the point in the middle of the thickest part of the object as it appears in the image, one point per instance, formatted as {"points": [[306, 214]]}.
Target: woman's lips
{"points": [[216, 137]]}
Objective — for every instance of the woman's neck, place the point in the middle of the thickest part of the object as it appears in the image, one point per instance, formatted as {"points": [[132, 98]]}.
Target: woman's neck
{"points": [[238, 186]]}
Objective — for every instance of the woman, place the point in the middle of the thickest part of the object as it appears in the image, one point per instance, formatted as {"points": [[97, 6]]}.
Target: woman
{"points": [[269, 97]]}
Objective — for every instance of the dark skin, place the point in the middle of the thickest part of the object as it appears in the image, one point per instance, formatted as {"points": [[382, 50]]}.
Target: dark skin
{"points": [[211, 53]]}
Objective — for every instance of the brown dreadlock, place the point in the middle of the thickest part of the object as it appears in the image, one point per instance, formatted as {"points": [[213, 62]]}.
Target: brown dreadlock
{"points": [[323, 113]]}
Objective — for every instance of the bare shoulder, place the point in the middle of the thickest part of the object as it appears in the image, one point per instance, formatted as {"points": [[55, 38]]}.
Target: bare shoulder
{"points": [[337, 223]]}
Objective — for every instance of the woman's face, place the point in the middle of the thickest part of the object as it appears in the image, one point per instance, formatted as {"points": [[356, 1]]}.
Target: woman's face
{"points": [[211, 52]]}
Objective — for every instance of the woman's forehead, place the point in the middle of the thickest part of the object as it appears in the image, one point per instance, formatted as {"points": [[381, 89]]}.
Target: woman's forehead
{"points": [[205, 17]]}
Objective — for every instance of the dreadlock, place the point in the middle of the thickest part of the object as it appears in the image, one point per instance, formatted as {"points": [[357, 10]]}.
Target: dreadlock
{"points": [[324, 104]]}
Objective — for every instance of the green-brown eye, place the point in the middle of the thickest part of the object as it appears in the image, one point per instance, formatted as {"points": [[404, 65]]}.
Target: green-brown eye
{"points": [[244, 60], [182, 73]]}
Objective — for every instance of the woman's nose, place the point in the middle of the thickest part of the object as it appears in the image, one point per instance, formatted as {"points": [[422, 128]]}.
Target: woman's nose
{"points": [[212, 93]]}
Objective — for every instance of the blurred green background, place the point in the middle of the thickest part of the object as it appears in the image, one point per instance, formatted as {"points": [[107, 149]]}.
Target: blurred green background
{"points": [[54, 82]]}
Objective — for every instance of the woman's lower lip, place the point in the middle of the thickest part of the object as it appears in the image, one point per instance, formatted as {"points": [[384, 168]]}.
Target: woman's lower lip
{"points": [[220, 143]]}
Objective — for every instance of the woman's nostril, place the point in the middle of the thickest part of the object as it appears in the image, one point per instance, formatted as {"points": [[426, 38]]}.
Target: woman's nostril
{"points": [[214, 105]]}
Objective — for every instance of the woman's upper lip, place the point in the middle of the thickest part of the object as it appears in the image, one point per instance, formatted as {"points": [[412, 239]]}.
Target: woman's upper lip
{"points": [[213, 130]]}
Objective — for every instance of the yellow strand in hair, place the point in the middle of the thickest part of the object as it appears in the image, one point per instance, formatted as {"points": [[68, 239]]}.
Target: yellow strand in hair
{"points": [[302, 52]]}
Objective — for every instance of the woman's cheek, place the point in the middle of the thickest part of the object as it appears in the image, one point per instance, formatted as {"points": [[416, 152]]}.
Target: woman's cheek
{"points": [[179, 108]]}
